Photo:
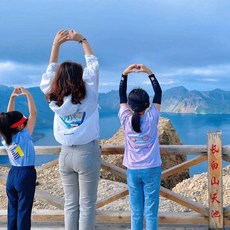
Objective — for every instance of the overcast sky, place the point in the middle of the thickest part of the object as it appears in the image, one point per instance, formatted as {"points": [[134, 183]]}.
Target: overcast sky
{"points": [[184, 42]]}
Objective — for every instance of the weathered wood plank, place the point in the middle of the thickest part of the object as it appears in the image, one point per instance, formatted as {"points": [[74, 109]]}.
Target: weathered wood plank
{"points": [[227, 211], [183, 166], [178, 218], [112, 149], [112, 198], [119, 149], [226, 149], [3, 150], [114, 217], [49, 198], [169, 149], [182, 218], [39, 215], [47, 149], [3, 215], [113, 169], [184, 149], [226, 158], [215, 183], [184, 201]]}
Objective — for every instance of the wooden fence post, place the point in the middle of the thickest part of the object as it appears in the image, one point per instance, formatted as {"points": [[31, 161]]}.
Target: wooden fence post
{"points": [[215, 183]]}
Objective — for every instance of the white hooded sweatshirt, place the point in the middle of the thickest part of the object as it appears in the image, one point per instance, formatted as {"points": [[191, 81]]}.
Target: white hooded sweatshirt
{"points": [[76, 124]]}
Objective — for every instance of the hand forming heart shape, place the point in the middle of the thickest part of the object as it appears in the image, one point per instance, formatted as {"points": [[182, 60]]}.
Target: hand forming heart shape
{"points": [[18, 91]]}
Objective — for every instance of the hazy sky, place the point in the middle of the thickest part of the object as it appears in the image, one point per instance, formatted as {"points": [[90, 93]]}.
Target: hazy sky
{"points": [[184, 42]]}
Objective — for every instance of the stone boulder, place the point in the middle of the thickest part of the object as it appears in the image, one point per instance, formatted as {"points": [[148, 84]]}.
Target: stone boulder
{"points": [[169, 136]]}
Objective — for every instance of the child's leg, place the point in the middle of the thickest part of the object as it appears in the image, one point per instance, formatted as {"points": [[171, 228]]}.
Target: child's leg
{"points": [[136, 197], [12, 195], [152, 180], [26, 189]]}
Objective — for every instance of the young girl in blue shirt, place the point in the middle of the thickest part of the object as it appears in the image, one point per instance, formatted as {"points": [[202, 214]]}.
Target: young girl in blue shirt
{"points": [[16, 131]]}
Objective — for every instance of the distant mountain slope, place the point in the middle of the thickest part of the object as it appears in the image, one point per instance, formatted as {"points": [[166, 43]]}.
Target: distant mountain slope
{"points": [[109, 102], [181, 100]]}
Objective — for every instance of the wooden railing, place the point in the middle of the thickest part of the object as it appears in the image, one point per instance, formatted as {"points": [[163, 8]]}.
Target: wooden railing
{"points": [[216, 217]]}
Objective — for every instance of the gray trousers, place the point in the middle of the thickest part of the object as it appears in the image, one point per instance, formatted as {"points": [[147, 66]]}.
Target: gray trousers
{"points": [[79, 168]]}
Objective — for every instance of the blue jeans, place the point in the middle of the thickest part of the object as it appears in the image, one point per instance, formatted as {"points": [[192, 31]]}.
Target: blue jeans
{"points": [[20, 189], [144, 192], [79, 168]]}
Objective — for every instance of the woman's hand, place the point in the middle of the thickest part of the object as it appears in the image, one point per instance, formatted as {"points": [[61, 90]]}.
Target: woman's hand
{"points": [[24, 92], [75, 36], [130, 69], [20, 91], [137, 68], [15, 92], [143, 68], [61, 37]]}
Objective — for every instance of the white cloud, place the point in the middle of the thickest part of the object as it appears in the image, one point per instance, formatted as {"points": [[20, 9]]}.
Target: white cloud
{"points": [[4, 66], [15, 74], [107, 83], [162, 82], [214, 70], [210, 80]]}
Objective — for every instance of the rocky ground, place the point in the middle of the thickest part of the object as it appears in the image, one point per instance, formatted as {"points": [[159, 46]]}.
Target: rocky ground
{"points": [[195, 188]]}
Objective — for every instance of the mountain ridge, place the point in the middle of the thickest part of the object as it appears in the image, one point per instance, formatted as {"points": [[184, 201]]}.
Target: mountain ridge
{"points": [[174, 100], [216, 101]]}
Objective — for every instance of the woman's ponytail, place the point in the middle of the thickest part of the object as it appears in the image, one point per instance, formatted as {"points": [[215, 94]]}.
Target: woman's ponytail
{"points": [[136, 122], [138, 100]]}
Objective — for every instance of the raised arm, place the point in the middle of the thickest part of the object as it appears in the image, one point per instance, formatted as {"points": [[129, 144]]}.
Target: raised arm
{"points": [[32, 110], [11, 103], [75, 36], [123, 84], [61, 37], [155, 84]]}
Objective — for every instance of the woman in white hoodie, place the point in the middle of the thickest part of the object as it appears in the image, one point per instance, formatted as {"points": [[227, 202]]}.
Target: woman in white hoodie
{"points": [[72, 94]]}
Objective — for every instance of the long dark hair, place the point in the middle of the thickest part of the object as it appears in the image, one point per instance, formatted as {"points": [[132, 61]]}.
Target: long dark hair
{"points": [[138, 100], [68, 81], [5, 130]]}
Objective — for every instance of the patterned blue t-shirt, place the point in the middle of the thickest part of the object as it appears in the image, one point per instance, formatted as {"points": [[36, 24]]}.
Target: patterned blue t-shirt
{"points": [[21, 152]]}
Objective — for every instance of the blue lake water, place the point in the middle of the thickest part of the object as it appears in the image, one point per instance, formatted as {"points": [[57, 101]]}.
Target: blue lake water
{"points": [[191, 128]]}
